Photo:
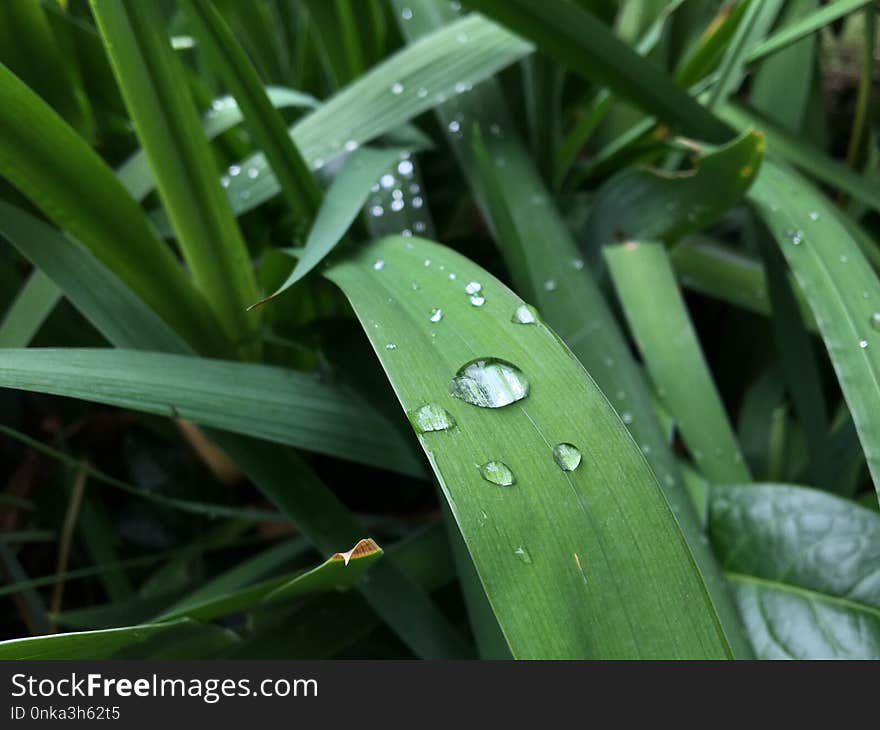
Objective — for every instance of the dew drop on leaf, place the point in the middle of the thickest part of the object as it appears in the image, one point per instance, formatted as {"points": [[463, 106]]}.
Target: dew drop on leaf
{"points": [[431, 417], [473, 287], [436, 315], [497, 472], [567, 456], [478, 301], [489, 383], [524, 314], [379, 265], [875, 321], [523, 555]]}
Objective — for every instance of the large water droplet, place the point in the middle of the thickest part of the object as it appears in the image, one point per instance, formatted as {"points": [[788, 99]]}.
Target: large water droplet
{"points": [[436, 315], [498, 473], [431, 417], [524, 314], [489, 383], [473, 287], [478, 301], [567, 456]]}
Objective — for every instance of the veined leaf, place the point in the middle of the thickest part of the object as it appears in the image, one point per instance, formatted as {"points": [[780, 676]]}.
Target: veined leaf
{"points": [[644, 204], [259, 400], [665, 335], [343, 202], [134, 641], [575, 37], [557, 449], [840, 286], [803, 565], [55, 168], [168, 126], [33, 304], [435, 68], [297, 183], [340, 570], [224, 114]]}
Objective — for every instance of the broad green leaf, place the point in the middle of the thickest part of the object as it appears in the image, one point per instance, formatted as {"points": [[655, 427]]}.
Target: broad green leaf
{"points": [[224, 114], [803, 565], [438, 66], [591, 492], [578, 39], [546, 269], [146, 641], [340, 570], [301, 191], [32, 305], [272, 403], [669, 345], [155, 91], [840, 286], [55, 168], [343, 202], [640, 203], [100, 296], [807, 25]]}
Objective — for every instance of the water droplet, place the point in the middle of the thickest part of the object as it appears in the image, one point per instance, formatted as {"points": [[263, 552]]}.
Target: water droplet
{"points": [[844, 259], [406, 233], [524, 314], [463, 86], [436, 315], [578, 264], [626, 417], [473, 287], [405, 167], [224, 181], [875, 321], [417, 202], [478, 301], [495, 129], [498, 473], [489, 383], [406, 14], [397, 88], [814, 216], [390, 346], [795, 236], [431, 417], [523, 555], [397, 205], [379, 265], [863, 344], [351, 145], [234, 170], [427, 262], [419, 226], [550, 285], [422, 93], [376, 211], [318, 163], [567, 456], [454, 126], [253, 173], [415, 286], [386, 181]]}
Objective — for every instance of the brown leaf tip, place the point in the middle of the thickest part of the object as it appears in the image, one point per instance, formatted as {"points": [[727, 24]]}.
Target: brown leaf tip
{"points": [[364, 548]]}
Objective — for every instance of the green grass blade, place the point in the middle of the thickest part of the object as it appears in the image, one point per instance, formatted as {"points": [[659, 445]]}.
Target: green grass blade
{"points": [[339, 571], [804, 27], [32, 305], [582, 560], [99, 295], [466, 52], [803, 565], [666, 338], [272, 403], [110, 643], [347, 194], [224, 114], [301, 191], [154, 88], [51, 165], [578, 39], [840, 286]]}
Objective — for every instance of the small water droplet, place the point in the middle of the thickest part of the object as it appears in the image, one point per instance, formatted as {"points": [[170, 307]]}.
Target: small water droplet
{"points": [[875, 321], [550, 285], [419, 226], [473, 287], [452, 277], [495, 129], [406, 14], [863, 344], [318, 163], [436, 315], [405, 168], [397, 205], [795, 236], [844, 259], [224, 181], [567, 456], [351, 145], [417, 202], [422, 92], [578, 264], [386, 181], [814, 216], [498, 473], [524, 314], [626, 417], [489, 383], [523, 555], [234, 170], [454, 126], [379, 265], [376, 211], [253, 173], [427, 262], [397, 88], [431, 417], [477, 300], [390, 346]]}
